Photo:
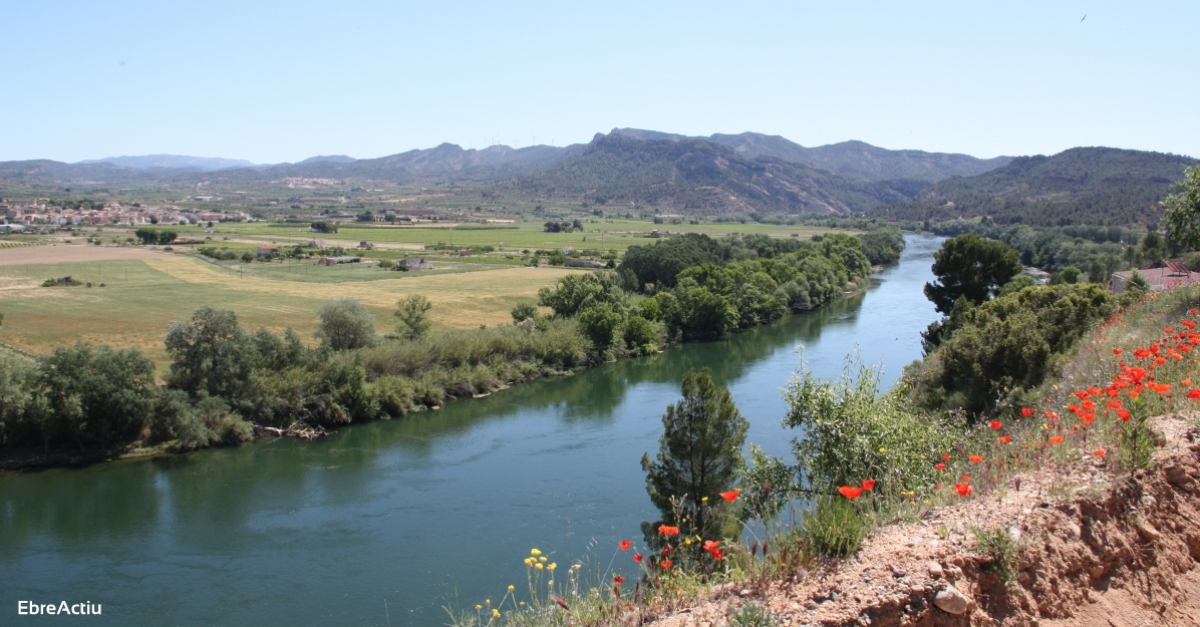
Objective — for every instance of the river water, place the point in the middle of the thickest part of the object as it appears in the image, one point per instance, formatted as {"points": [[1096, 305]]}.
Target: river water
{"points": [[430, 511]]}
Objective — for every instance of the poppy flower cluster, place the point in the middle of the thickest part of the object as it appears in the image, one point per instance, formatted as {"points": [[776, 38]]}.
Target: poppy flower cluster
{"points": [[853, 492]]}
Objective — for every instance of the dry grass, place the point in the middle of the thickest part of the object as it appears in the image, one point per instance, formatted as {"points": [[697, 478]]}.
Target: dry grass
{"points": [[143, 296]]}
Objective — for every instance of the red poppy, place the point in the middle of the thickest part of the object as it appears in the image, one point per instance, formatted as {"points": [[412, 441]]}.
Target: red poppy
{"points": [[717, 554], [1051, 415], [637, 557], [850, 492], [940, 466], [1056, 439], [666, 563], [963, 489], [1123, 414], [666, 549], [945, 457], [964, 478], [868, 484], [975, 459], [730, 495], [1188, 323], [1194, 394], [1168, 330], [1100, 452], [668, 530], [1005, 439], [624, 544], [617, 579], [709, 545], [1117, 351], [1094, 391], [1185, 382], [1026, 411], [996, 424], [1114, 404]]}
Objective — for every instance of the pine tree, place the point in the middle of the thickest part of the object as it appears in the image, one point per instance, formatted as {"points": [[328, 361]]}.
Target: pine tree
{"points": [[699, 456]]}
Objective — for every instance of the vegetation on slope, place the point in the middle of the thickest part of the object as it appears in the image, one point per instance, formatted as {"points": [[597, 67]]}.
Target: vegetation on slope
{"points": [[1101, 186]]}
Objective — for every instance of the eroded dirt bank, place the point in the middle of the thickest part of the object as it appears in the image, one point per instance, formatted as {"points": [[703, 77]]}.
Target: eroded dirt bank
{"points": [[1095, 549]]}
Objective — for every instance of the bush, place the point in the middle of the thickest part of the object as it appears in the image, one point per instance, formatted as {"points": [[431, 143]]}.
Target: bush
{"points": [[94, 399], [1009, 345], [346, 324], [600, 324], [851, 434]]}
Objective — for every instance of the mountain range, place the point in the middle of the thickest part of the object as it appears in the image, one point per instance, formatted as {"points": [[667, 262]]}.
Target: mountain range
{"points": [[718, 174]]}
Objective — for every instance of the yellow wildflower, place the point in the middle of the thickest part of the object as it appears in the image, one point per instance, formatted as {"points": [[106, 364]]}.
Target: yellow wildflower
{"points": [[511, 588], [535, 552], [552, 566], [538, 566]]}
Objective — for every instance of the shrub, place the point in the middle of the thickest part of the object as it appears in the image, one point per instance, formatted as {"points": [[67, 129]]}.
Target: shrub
{"points": [[851, 433], [346, 324], [411, 312], [833, 526], [94, 399]]}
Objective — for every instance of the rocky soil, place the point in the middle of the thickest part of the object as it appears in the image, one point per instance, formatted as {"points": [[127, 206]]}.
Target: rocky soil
{"points": [[1096, 548]]}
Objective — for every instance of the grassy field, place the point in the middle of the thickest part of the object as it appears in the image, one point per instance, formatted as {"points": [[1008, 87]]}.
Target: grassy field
{"points": [[146, 288], [142, 296], [602, 235]]}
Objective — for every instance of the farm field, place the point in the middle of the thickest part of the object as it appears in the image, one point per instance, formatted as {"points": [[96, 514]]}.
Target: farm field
{"points": [[601, 235], [143, 295]]}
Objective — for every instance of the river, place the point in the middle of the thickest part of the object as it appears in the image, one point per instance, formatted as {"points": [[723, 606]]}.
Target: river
{"points": [[434, 510]]}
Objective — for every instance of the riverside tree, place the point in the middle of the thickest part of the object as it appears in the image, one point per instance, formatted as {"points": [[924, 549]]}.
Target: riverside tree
{"points": [[414, 323], [210, 353], [346, 324], [699, 457], [971, 267]]}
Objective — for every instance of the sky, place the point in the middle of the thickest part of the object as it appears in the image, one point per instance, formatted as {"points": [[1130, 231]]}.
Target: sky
{"points": [[282, 81]]}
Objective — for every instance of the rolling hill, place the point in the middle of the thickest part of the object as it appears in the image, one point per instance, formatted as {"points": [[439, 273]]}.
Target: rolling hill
{"points": [[1104, 186]]}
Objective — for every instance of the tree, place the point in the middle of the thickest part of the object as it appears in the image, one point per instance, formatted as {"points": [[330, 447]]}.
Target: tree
{"points": [[210, 353], [1183, 211], [699, 456], [414, 323], [600, 324], [971, 267], [523, 311], [576, 292], [94, 398], [345, 324]]}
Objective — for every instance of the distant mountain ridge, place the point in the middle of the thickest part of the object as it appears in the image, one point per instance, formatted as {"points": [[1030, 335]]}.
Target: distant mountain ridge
{"points": [[146, 162], [700, 177], [1105, 186], [854, 159]]}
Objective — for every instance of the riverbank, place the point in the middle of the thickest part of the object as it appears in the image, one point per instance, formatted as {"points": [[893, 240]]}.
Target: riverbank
{"points": [[1096, 547]]}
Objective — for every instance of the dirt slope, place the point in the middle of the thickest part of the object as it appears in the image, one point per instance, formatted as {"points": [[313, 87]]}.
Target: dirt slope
{"points": [[1097, 549]]}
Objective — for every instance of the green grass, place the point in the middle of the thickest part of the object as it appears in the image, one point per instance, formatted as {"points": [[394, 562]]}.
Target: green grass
{"points": [[142, 297], [600, 235]]}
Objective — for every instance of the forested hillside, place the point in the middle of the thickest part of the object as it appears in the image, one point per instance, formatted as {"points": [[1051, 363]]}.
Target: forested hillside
{"points": [[1102, 186]]}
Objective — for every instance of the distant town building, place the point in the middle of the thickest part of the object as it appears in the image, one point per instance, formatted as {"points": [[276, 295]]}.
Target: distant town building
{"points": [[417, 264], [267, 251], [584, 263], [333, 261]]}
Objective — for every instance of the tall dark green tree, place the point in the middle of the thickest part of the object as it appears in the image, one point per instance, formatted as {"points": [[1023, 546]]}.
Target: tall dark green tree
{"points": [[970, 267], [210, 353], [699, 456]]}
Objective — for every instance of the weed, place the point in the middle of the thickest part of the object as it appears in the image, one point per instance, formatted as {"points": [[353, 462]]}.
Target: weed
{"points": [[1002, 550], [752, 615], [834, 526]]}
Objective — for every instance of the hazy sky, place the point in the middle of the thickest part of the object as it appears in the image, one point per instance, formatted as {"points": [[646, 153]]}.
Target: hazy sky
{"points": [[281, 81]]}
